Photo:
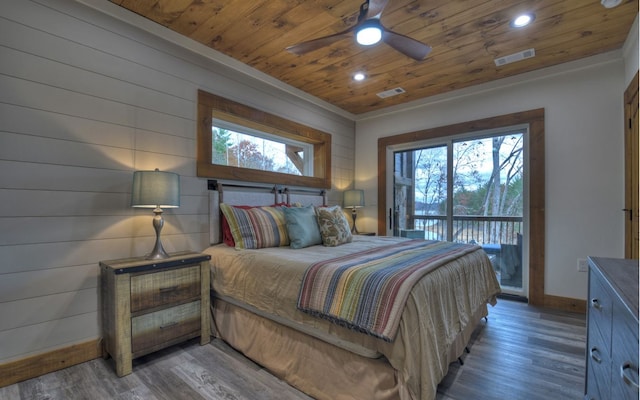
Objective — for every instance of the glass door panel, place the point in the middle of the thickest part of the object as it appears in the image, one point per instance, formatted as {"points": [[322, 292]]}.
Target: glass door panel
{"points": [[488, 200], [420, 193]]}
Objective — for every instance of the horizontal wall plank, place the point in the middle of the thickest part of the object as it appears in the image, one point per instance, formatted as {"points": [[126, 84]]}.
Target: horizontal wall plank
{"points": [[27, 148], [22, 65], [33, 230], [28, 203], [145, 160], [30, 121], [19, 175], [38, 338], [28, 37], [34, 257], [47, 282], [153, 142], [14, 314], [36, 95]]}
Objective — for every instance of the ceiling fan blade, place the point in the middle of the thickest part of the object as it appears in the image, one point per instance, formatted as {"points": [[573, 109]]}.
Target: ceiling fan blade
{"points": [[376, 7], [314, 44], [406, 45]]}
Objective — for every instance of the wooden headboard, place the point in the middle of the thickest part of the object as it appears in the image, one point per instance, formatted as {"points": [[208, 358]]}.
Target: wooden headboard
{"points": [[250, 194]]}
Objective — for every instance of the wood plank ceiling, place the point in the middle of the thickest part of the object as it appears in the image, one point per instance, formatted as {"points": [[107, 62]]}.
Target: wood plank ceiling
{"points": [[466, 37]]}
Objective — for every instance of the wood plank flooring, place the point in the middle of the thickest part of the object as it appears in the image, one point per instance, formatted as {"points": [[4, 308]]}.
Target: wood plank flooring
{"points": [[522, 352]]}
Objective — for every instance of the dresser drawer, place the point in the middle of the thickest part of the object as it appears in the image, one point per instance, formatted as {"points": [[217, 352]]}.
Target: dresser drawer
{"points": [[592, 390], [600, 304], [153, 329], [598, 364], [624, 355], [156, 289]]}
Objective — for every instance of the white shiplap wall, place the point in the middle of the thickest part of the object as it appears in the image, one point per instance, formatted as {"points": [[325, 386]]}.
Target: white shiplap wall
{"points": [[86, 99]]}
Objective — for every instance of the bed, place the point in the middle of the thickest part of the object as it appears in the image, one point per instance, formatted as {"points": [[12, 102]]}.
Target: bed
{"points": [[259, 307]]}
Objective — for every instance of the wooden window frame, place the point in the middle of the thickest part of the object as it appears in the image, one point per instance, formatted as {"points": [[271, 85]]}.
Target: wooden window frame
{"points": [[211, 106]]}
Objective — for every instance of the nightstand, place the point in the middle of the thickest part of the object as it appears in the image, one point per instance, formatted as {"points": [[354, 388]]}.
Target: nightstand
{"points": [[148, 305]]}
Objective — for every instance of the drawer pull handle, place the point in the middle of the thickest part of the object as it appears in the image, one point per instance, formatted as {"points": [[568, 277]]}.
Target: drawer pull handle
{"points": [[168, 289], [169, 325], [595, 303], [595, 355], [625, 373]]}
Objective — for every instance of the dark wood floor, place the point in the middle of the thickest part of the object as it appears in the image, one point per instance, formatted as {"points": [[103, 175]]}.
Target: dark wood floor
{"points": [[522, 352]]}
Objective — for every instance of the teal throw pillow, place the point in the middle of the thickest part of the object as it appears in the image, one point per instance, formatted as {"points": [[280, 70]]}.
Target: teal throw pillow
{"points": [[302, 226]]}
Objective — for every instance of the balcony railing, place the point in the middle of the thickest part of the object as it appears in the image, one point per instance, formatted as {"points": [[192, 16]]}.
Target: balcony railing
{"points": [[500, 237], [470, 229]]}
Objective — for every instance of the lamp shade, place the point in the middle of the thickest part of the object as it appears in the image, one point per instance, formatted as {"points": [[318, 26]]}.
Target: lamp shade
{"points": [[353, 198], [157, 188]]}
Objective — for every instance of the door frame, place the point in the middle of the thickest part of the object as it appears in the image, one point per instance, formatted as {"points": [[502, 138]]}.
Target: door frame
{"points": [[631, 170], [536, 257]]}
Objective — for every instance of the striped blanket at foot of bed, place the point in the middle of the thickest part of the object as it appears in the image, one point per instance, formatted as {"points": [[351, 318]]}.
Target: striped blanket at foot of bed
{"points": [[366, 291]]}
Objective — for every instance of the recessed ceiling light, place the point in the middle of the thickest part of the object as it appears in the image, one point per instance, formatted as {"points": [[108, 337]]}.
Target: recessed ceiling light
{"points": [[359, 76], [610, 3], [522, 20]]}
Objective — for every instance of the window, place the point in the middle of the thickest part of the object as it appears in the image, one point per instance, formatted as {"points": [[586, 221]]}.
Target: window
{"points": [[241, 147], [237, 142]]}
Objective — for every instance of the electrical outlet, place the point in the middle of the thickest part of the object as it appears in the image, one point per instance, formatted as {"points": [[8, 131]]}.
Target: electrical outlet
{"points": [[582, 265]]}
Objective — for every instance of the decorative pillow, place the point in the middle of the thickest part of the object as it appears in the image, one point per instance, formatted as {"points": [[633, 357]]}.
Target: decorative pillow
{"points": [[334, 227], [302, 226], [256, 227], [227, 236]]}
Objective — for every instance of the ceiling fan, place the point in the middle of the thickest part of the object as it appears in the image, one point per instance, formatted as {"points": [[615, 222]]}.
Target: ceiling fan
{"points": [[369, 30]]}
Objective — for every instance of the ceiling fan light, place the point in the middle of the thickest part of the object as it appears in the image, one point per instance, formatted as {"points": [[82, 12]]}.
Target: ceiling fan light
{"points": [[369, 35]]}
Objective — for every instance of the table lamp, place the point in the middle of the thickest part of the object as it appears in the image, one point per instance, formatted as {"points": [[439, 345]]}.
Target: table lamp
{"points": [[353, 199], [157, 190]]}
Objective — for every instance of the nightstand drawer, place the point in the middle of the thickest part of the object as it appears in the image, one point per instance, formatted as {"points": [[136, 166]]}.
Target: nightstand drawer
{"points": [[150, 330], [156, 289]]}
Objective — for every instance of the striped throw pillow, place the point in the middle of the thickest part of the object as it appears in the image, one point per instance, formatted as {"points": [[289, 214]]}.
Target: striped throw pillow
{"points": [[257, 227]]}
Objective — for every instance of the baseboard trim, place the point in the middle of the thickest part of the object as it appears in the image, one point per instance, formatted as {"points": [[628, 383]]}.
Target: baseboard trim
{"points": [[513, 297], [565, 303], [40, 364]]}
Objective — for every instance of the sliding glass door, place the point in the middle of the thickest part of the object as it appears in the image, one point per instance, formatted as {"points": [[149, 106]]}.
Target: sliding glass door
{"points": [[468, 189]]}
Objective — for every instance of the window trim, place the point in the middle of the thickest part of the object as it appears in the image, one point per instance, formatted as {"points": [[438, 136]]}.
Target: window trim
{"points": [[211, 106]]}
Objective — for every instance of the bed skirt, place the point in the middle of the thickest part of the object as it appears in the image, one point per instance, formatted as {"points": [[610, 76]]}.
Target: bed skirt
{"points": [[315, 367]]}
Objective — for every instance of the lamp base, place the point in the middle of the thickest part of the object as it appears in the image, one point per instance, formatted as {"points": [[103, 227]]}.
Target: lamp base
{"points": [[158, 252], [354, 214]]}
